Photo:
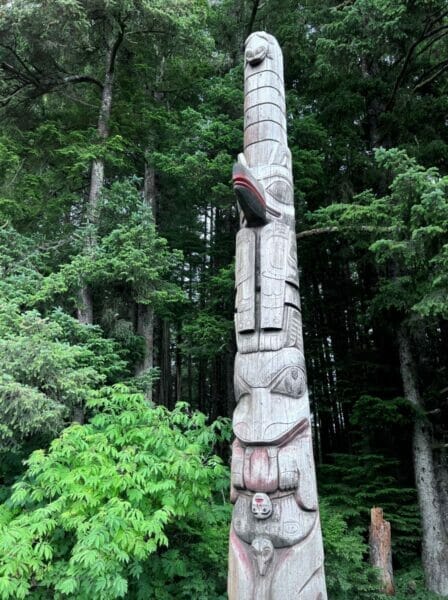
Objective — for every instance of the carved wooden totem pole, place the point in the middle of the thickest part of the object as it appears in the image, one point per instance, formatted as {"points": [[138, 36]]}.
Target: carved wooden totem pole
{"points": [[275, 541]]}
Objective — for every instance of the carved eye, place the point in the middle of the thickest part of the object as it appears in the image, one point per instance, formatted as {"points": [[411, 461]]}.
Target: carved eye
{"points": [[291, 382], [281, 191]]}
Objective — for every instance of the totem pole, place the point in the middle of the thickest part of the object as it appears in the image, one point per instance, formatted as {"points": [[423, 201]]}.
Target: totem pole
{"points": [[275, 540]]}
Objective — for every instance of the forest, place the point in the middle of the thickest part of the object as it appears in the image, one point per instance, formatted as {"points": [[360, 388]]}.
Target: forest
{"points": [[120, 122]]}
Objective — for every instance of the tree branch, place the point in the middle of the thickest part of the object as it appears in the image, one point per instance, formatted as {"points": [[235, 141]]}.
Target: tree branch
{"points": [[336, 229], [434, 40], [425, 34], [80, 79], [443, 66], [253, 16], [146, 31], [40, 85], [114, 51], [20, 60]]}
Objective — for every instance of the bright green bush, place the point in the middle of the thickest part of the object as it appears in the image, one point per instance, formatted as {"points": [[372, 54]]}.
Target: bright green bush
{"points": [[88, 514]]}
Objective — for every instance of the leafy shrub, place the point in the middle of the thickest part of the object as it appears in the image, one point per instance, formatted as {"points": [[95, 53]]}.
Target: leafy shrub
{"points": [[353, 484], [88, 513], [349, 577], [410, 584]]}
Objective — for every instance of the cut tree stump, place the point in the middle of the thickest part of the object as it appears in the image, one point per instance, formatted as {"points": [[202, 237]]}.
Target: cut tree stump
{"points": [[380, 550]]}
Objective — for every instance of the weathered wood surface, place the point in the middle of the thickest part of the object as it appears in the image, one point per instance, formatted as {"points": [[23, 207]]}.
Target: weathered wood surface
{"points": [[276, 548], [380, 543]]}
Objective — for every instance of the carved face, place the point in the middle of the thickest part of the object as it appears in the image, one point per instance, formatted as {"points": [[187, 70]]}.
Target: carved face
{"points": [[261, 506], [270, 389], [264, 551], [257, 48]]}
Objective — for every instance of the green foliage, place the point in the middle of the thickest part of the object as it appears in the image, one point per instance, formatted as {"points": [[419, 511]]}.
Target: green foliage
{"points": [[49, 363], [207, 335], [410, 583], [195, 565], [347, 572], [88, 513], [128, 253], [405, 231], [49, 367], [370, 413], [353, 484]]}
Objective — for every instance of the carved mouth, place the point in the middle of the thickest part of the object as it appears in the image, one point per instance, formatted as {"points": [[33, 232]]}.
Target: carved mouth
{"points": [[250, 196], [280, 433]]}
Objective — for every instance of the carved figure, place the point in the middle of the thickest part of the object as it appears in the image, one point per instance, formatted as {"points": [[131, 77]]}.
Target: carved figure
{"points": [[276, 548]]}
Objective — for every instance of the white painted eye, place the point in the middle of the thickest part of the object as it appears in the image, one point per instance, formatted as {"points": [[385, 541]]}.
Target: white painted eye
{"points": [[291, 382]]}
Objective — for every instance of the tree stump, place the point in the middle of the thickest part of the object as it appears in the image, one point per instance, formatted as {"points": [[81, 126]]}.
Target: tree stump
{"points": [[380, 550]]}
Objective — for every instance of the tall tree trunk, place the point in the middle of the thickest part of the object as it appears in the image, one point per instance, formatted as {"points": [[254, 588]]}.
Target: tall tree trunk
{"points": [[145, 312], [150, 189], [178, 395], [85, 302], [145, 328], [165, 363], [442, 482], [434, 536]]}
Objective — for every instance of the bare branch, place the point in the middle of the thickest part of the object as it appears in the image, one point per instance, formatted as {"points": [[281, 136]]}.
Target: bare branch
{"points": [[442, 67], [253, 16], [78, 100], [20, 60], [40, 85], [114, 50], [438, 16], [7, 99], [433, 41], [337, 229], [147, 31], [80, 79], [426, 34]]}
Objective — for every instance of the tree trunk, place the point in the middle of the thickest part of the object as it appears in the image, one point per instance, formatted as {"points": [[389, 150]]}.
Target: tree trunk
{"points": [[85, 302], [442, 483], [78, 414], [150, 190], [145, 328], [178, 394], [85, 306], [145, 312], [165, 364], [381, 551], [434, 537]]}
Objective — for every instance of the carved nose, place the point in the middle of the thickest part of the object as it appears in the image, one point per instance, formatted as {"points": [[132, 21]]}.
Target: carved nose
{"points": [[259, 394]]}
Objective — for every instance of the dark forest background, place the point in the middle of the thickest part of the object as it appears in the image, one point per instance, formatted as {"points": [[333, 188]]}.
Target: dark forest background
{"points": [[120, 121]]}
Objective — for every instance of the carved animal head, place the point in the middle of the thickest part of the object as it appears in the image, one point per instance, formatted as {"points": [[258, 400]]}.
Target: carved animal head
{"points": [[264, 552], [257, 46]]}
